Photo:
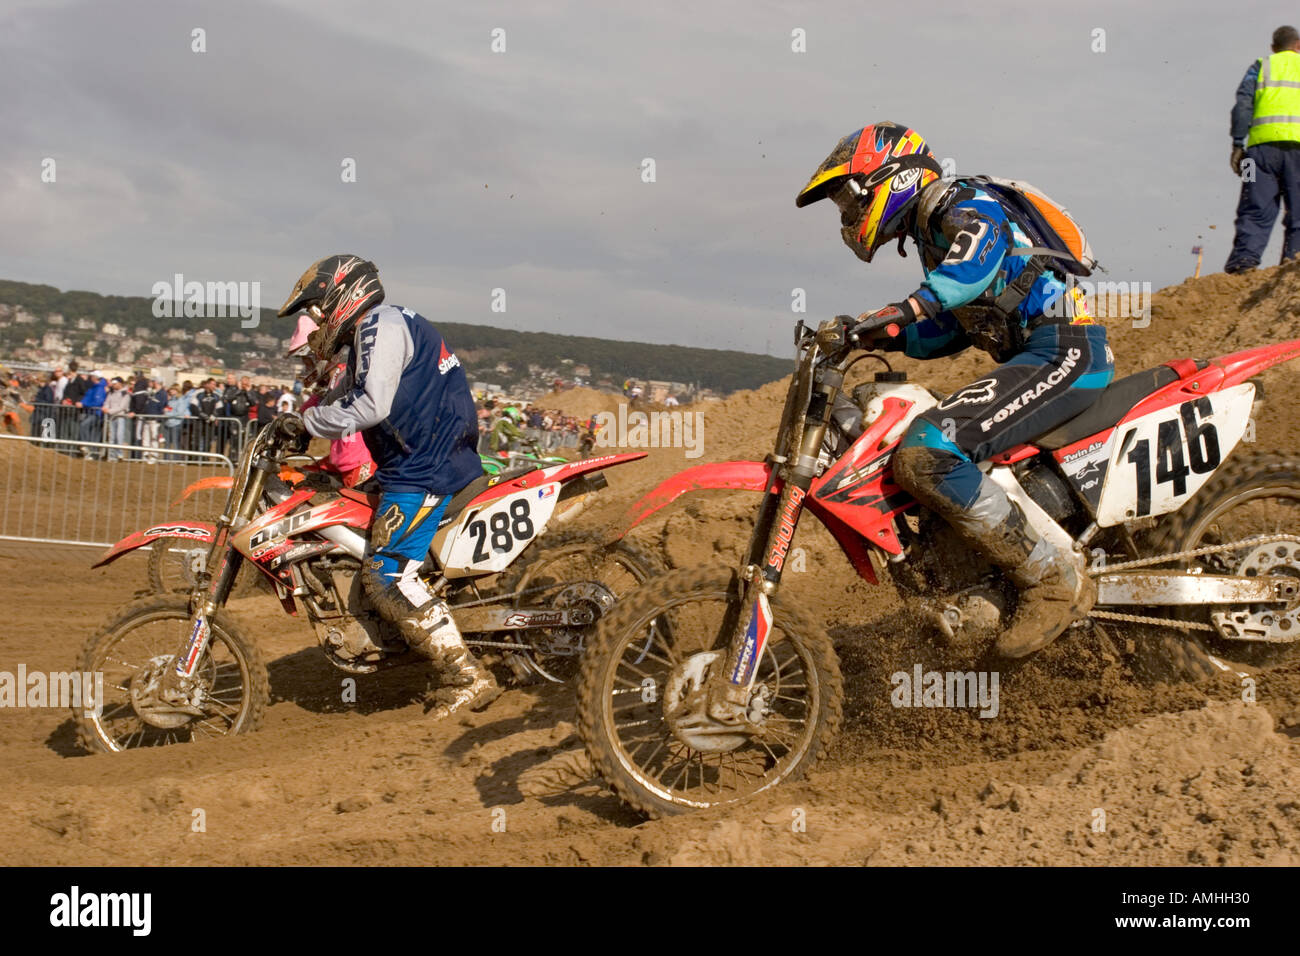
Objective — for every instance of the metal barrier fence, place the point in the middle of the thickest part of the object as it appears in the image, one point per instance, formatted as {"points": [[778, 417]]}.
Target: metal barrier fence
{"points": [[61, 491], [149, 437]]}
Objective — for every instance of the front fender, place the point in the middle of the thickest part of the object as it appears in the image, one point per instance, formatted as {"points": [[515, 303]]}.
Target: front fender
{"points": [[194, 530], [722, 475]]}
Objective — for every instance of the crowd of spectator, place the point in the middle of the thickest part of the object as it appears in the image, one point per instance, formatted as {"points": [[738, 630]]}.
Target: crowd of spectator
{"points": [[506, 427], [154, 421]]}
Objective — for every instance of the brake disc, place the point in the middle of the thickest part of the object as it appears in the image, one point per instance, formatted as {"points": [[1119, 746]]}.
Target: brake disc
{"points": [[686, 702], [146, 699]]}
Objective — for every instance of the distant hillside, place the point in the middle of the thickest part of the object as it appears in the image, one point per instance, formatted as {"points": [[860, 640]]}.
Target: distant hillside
{"points": [[716, 369]]}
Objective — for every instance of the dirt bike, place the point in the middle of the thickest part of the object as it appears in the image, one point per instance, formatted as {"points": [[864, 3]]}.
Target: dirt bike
{"points": [[179, 666], [739, 688], [495, 463]]}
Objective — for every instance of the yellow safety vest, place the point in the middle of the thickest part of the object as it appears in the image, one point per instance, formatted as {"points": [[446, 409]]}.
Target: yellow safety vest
{"points": [[1277, 99]]}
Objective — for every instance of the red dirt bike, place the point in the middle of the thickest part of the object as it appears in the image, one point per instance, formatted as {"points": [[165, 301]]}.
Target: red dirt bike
{"points": [[179, 667], [739, 689]]}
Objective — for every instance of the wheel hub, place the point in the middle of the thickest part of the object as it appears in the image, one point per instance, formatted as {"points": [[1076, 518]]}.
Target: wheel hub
{"points": [[147, 697], [586, 602], [687, 707], [1264, 622]]}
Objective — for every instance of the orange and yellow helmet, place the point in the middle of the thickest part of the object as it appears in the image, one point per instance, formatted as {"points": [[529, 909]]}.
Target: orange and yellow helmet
{"points": [[875, 177]]}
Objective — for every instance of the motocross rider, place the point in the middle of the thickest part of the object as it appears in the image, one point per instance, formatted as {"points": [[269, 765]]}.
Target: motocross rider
{"points": [[1055, 361], [411, 400], [506, 431]]}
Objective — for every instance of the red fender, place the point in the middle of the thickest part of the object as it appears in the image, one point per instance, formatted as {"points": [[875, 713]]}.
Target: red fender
{"points": [[722, 475], [290, 475], [747, 476], [196, 530], [1239, 366]]}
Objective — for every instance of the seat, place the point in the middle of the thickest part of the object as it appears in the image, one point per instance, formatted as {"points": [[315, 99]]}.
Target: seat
{"points": [[1115, 402], [477, 487]]}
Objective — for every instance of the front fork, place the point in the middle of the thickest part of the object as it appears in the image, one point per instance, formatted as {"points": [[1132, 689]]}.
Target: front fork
{"points": [[733, 685], [211, 592], [750, 625]]}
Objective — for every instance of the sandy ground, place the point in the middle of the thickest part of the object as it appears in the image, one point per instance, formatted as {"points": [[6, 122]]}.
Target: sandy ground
{"points": [[1082, 765]]}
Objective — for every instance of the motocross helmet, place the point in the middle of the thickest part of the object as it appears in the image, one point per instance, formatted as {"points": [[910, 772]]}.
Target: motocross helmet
{"points": [[875, 177], [335, 292], [514, 414]]}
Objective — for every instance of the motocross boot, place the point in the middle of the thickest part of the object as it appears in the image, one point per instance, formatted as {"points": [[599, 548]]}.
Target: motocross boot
{"points": [[432, 633], [1055, 589]]}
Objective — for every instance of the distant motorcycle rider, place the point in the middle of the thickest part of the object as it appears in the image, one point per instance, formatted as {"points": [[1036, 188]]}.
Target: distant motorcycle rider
{"points": [[978, 290], [411, 400]]}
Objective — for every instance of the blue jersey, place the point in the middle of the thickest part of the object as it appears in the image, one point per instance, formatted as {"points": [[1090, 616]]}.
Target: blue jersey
{"points": [[965, 256], [411, 400]]}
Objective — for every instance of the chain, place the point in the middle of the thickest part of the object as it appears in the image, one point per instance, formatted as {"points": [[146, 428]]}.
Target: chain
{"points": [[1254, 542], [1150, 619]]}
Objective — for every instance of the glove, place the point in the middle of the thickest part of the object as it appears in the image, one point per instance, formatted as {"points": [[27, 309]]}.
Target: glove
{"points": [[882, 329], [290, 433], [1238, 157]]}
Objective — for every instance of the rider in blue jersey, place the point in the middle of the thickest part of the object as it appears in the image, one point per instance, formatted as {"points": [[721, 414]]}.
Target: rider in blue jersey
{"points": [[411, 400], [981, 288]]}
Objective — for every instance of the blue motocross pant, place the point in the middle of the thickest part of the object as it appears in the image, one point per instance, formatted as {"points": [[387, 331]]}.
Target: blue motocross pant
{"points": [[1060, 372]]}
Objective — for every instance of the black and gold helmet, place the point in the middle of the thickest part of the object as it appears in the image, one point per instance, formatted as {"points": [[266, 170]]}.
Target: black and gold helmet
{"points": [[335, 292]]}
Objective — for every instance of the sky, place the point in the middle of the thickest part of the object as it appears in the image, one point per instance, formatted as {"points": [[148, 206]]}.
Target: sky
{"points": [[523, 170]]}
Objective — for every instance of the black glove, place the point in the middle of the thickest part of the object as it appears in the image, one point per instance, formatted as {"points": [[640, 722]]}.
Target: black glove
{"points": [[289, 432]]}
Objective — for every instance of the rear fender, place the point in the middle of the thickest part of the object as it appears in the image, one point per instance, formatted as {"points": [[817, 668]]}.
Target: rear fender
{"points": [[1240, 366], [199, 531], [545, 476]]}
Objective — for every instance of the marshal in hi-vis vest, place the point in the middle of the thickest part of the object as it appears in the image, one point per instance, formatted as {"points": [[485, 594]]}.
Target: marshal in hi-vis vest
{"points": [[1277, 100]]}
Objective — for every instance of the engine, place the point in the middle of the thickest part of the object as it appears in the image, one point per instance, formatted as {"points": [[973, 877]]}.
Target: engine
{"points": [[1050, 492], [353, 636]]}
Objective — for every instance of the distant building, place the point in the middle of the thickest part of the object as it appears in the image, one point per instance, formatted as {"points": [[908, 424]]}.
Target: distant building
{"points": [[53, 341], [85, 325], [238, 337], [54, 318], [112, 329], [207, 338], [142, 333], [178, 335]]}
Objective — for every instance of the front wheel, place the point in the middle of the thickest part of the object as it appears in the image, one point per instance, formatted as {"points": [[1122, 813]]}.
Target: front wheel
{"points": [[131, 653], [651, 656]]}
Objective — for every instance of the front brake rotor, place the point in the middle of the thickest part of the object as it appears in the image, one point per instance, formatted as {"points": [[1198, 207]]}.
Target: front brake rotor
{"points": [[686, 707]]}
